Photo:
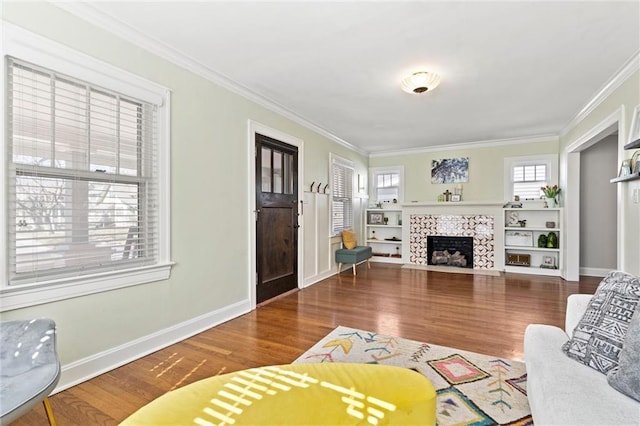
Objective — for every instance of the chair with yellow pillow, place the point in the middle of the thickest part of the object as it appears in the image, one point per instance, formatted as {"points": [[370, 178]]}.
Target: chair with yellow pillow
{"points": [[352, 253]]}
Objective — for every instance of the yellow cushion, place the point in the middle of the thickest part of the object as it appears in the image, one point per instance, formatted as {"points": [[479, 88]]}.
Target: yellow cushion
{"points": [[297, 394], [349, 239]]}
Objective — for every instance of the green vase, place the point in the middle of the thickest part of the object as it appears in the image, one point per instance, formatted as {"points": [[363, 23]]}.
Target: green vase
{"points": [[542, 241], [552, 240]]}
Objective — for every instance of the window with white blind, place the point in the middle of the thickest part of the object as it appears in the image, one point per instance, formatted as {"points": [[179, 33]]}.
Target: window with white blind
{"points": [[387, 184], [84, 198], [342, 194], [525, 176]]}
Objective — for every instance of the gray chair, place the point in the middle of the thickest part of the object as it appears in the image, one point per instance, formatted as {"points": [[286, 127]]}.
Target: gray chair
{"points": [[29, 367]]}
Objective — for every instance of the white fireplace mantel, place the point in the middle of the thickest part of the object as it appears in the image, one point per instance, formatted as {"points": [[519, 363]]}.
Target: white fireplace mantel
{"points": [[494, 209], [449, 204]]}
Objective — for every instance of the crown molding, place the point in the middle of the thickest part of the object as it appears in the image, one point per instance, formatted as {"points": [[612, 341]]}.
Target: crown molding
{"points": [[627, 70], [468, 145], [108, 23]]}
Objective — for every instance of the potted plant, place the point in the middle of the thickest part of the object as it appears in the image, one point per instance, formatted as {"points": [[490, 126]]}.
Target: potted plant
{"points": [[551, 194]]}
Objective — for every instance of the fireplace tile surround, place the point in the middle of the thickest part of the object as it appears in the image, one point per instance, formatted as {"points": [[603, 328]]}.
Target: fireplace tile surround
{"points": [[480, 227]]}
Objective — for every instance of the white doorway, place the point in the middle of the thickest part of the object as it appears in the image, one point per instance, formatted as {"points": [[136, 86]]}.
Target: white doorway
{"points": [[572, 181]]}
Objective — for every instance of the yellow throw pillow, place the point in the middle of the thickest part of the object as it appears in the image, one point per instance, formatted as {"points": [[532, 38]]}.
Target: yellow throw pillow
{"points": [[349, 239]]}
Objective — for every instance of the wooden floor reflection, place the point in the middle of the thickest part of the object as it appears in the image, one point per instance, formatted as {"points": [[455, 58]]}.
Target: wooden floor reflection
{"points": [[479, 313]]}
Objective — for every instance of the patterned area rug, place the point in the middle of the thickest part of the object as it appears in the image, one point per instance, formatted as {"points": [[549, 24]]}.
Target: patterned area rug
{"points": [[473, 389]]}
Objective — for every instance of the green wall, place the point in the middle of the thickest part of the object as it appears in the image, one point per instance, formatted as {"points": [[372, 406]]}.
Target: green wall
{"points": [[209, 195], [486, 169]]}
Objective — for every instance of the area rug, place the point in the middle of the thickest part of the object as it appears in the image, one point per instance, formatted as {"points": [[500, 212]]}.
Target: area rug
{"points": [[473, 389]]}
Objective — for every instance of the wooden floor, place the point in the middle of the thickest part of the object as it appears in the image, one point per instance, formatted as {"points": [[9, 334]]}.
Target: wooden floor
{"points": [[478, 313]]}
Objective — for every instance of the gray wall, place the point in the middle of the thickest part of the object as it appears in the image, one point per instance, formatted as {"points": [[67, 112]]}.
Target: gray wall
{"points": [[598, 206]]}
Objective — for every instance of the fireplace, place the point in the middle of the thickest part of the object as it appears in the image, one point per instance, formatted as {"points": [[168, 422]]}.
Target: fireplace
{"points": [[450, 251]]}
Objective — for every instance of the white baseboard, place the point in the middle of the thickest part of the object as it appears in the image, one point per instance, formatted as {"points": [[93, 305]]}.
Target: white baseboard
{"points": [[317, 278], [595, 272], [87, 368]]}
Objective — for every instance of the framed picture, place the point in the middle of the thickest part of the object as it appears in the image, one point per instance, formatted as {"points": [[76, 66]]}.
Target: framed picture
{"points": [[548, 262], [375, 218], [450, 170], [456, 197], [634, 133], [625, 168]]}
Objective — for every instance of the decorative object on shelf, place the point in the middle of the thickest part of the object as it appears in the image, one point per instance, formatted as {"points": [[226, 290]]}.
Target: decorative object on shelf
{"points": [[518, 259], [522, 223], [635, 159], [516, 198], [399, 220], [552, 240], [514, 218], [518, 238], [450, 170], [456, 197], [550, 224], [512, 205], [447, 195], [441, 198], [548, 262], [373, 235], [542, 241], [385, 220], [625, 168], [551, 195], [375, 218]]}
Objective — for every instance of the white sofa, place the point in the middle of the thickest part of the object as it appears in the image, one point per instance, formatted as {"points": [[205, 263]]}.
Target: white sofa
{"points": [[562, 391]]}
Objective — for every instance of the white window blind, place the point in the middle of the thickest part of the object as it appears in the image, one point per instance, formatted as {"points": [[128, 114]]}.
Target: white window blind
{"points": [[528, 179], [342, 194], [387, 187], [82, 177]]}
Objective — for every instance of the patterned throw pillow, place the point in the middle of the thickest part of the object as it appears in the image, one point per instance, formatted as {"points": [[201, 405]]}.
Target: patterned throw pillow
{"points": [[626, 376], [597, 339], [349, 239]]}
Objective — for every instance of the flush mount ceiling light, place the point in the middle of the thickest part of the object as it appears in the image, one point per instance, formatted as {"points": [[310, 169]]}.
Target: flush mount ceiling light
{"points": [[420, 82]]}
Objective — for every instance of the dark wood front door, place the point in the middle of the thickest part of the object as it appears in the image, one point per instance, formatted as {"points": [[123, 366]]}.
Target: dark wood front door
{"points": [[276, 217]]}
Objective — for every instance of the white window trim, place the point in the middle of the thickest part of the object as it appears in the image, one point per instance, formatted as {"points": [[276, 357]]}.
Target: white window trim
{"points": [[335, 158], [36, 49], [373, 171], [551, 160]]}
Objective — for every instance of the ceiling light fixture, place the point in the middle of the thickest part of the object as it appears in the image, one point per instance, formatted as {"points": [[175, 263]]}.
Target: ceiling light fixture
{"points": [[420, 82]]}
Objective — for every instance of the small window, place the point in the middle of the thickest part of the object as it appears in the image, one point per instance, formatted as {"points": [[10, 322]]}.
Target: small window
{"points": [[525, 176], [342, 195], [528, 179], [387, 184]]}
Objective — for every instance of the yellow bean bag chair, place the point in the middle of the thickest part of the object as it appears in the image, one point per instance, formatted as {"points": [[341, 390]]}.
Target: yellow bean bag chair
{"points": [[298, 394]]}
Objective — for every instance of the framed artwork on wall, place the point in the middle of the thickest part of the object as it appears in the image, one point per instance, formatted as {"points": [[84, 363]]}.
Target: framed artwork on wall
{"points": [[450, 170]]}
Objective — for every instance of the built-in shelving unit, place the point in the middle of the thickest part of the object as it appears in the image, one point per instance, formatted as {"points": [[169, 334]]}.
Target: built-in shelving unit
{"points": [[384, 236], [521, 242]]}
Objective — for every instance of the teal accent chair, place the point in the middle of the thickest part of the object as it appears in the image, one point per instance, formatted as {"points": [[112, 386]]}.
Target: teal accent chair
{"points": [[354, 256]]}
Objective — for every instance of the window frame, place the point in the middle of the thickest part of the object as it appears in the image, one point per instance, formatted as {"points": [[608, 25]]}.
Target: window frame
{"points": [[336, 160], [27, 46], [373, 175], [550, 160]]}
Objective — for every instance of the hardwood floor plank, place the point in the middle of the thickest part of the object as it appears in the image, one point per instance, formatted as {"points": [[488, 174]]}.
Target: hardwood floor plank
{"points": [[484, 314]]}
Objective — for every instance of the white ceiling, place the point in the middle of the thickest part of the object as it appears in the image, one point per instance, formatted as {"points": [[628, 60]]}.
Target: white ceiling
{"points": [[509, 69]]}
